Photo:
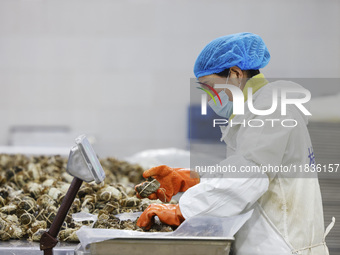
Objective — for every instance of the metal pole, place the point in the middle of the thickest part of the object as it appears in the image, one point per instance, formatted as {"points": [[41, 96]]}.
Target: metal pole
{"points": [[49, 239]]}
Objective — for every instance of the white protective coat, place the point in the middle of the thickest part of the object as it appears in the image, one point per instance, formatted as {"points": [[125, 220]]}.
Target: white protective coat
{"points": [[288, 214]]}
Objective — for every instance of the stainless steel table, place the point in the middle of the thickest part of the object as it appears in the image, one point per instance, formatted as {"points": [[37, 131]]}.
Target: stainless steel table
{"points": [[167, 245]]}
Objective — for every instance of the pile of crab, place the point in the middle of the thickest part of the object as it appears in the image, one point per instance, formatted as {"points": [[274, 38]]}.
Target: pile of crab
{"points": [[32, 189]]}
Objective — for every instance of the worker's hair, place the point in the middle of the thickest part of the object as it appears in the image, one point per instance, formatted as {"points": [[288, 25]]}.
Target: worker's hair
{"points": [[250, 73]]}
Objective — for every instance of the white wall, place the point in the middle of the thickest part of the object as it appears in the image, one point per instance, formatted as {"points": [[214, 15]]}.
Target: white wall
{"points": [[120, 70]]}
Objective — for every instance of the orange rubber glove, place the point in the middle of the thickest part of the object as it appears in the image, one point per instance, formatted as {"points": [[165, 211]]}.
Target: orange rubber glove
{"points": [[167, 213], [172, 181]]}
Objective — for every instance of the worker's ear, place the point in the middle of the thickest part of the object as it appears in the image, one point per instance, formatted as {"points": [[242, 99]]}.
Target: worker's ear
{"points": [[236, 75], [236, 72]]}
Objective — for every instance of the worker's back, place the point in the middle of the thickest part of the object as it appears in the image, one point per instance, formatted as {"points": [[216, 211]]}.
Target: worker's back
{"points": [[292, 206]]}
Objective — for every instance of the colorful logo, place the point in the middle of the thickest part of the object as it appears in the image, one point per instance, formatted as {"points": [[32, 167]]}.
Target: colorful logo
{"points": [[239, 101], [208, 92]]}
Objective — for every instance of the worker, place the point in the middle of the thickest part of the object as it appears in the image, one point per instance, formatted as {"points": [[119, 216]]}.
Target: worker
{"points": [[287, 211]]}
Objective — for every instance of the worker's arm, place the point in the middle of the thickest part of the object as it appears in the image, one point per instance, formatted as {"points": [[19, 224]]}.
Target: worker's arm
{"points": [[230, 196], [224, 197], [213, 196]]}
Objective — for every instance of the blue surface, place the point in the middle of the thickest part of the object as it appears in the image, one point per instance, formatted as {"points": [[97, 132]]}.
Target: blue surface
{"points": [[200, 127]]}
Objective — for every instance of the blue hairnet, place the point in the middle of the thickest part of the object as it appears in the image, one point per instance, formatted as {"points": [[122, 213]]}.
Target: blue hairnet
{"points": [[245, 50]]}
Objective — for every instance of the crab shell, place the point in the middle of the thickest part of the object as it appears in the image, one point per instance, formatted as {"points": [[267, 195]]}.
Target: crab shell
{"points": [[38, 224], [67, 177], [37, 235], [21, 178], [4, 192], [49, 218], [45, 200], [90, 198], [27, 218], [76, 206], [128, 224], [130, 202], [55, 193], [108, 192], [6, 230], [9, 209], [109, 207], [103, 216], [28, 204], [68, 235], [146, 188], [85, 190], [34, 189], [12, 221], [2, 201], [34, 170], [48, 183]]}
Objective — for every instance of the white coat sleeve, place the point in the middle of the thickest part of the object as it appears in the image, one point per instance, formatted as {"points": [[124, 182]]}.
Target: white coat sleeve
{"points": [[223, 197], [231, 196]]}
